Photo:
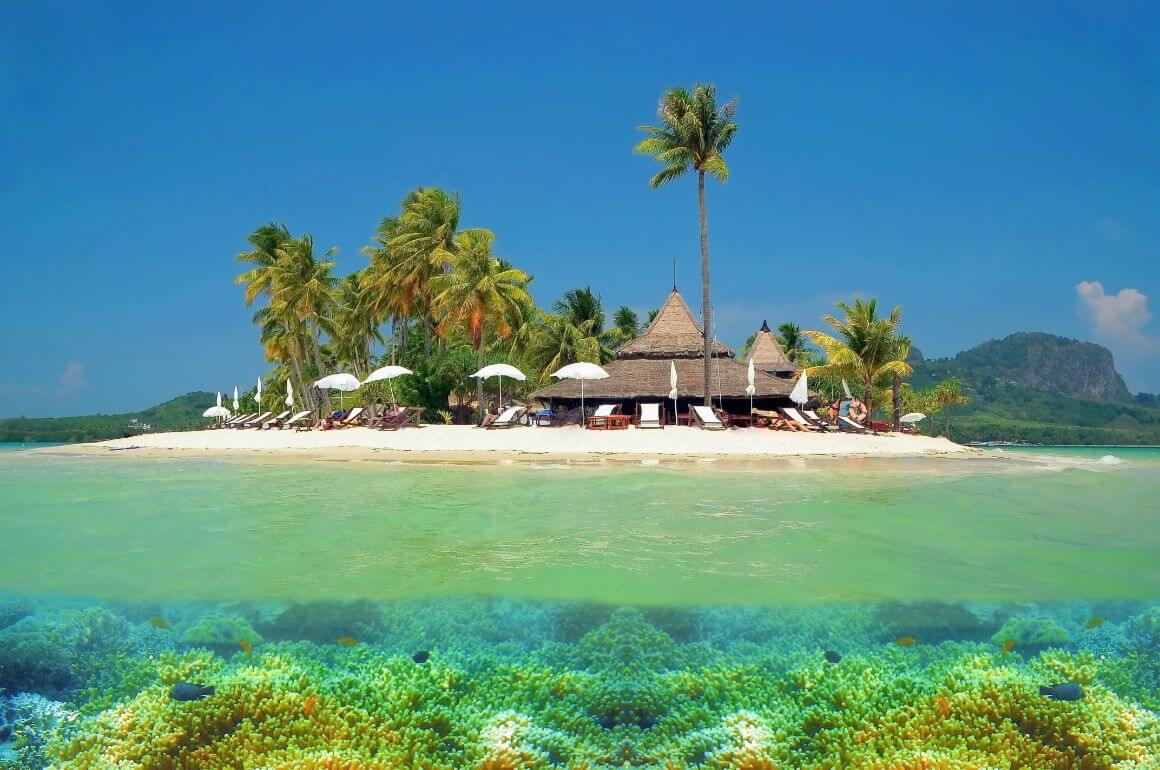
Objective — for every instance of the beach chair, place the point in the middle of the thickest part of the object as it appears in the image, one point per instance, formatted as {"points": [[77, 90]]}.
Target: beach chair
{"points": [[601, 418], [796, 417], [237, 420], [297, 421], [275, 422], [813, 417], [352, 419], [846, 424], [549, 419], [409, 416], [706, 419], [255, 422], [513, 415], [649, 416]]}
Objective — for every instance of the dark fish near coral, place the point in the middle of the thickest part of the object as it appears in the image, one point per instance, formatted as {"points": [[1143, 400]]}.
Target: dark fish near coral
{"points": [[1096, 621], [161, 623], [421, 657], [347, 641], [1008, 646], [1065, 691], [188, 691], [832, 656], [246, 647]]}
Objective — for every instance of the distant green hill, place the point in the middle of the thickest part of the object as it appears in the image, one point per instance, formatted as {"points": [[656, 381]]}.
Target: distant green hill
{"points": [[1044, 389], [181, 413]]}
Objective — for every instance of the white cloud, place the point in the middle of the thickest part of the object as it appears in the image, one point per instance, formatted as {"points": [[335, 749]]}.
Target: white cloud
{"points": [[1120, 316], [72, 379]]}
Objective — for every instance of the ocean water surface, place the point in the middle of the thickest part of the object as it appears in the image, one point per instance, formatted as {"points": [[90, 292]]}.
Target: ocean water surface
{"points": [[822, 613]]}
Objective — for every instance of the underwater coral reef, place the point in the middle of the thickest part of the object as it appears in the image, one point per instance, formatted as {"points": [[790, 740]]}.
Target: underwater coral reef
{"points": [[503, 684]]}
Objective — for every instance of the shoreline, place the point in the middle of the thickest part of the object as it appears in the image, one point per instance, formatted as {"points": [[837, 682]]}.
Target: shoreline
{"points": [[456, 443]]}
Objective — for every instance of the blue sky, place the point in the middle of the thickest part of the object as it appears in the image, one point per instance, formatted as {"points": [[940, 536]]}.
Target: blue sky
{"points": [[983, 165]]}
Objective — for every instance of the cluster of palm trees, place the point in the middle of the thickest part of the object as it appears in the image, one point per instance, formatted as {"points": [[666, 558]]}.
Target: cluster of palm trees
{"points": [[430, 291]]}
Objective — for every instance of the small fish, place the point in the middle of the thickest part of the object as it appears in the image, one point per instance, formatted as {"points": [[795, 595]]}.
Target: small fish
{"points": [[905, 641], [422, 656], [1094, 622], [1065, 691], [311, 705], [347, 641], [1008, 646], [944, 705], [246, 647], [159, 623], [185, 691], [832, 657]]}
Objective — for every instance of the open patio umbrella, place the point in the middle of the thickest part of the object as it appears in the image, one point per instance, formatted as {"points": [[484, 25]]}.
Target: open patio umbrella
{"points": [[801, 391], [217, 412], [912, 417], [388, 373], [673, 388], [750, 388], [501, 371], [342, 382], [581, 370]]}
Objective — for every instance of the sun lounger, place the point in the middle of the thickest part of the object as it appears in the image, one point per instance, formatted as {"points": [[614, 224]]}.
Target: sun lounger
{"points": [[409, 416], [255, 422], [274, 422], [649, 416], [846, 424], [237, 420], [352, 419], [513, 415], [603, 417], [706, 419], [297, 421], [549, 419], [796, 417]]}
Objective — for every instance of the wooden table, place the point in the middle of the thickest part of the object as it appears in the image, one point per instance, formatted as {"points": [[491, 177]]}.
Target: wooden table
{"points": [[610, 422]]}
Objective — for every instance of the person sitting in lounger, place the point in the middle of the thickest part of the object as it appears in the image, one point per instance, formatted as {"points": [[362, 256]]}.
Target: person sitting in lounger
{"points": [[858, 411]]}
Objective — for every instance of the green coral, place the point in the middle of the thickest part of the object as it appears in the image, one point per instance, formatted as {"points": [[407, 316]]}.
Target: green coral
{"points": [[1144, 629], [625, 694], [222, 634], [1031, 633]]}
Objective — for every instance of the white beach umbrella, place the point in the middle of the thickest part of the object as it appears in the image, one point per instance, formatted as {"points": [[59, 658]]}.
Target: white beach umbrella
{"points": [[342, 382], [801, 391], [237, 406], [387, 373], [289, 394], [673, 388], [581, 370], [501, 371], [216, 411], [258, 396], [750, 388], [912, 417]]}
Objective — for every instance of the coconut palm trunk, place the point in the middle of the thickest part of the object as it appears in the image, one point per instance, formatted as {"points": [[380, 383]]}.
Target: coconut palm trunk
{"points": [[896, 393], [316, 354], [706, 310]]}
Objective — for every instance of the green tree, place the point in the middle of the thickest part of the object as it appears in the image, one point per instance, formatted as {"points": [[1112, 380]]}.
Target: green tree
{"points": [[356, 327], [792, 341], [554, 341], [902, 353], [865, 347], [479, 292], [947, 394], [625, 327], [693, 135]]}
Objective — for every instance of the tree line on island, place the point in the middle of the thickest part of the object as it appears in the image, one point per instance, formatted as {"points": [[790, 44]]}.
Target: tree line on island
{"points": [[436, 298]]}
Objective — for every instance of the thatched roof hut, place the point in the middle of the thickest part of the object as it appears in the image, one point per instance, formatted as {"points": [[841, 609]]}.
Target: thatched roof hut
{"points": [[767, 355], [641, 367]]}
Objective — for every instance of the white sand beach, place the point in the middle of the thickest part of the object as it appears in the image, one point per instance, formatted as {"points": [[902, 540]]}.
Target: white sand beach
{"points": [[488, 445]]}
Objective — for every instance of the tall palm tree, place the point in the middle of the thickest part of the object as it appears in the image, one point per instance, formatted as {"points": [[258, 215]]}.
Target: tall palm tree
{"points": [[949, 393], [265, 242], [865, 347], [478, 293], [303, 289], [554, 341], [356, 328], [625, 327], [584, 310], [693, 134], [423, 244], [902, 353]]}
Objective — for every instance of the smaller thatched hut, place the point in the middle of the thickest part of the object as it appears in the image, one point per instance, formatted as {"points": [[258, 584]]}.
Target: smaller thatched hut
{"points": [[767, 355]]}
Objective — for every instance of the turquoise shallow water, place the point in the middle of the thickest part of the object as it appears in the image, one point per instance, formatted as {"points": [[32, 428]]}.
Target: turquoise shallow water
{"points": [[365, 615]]}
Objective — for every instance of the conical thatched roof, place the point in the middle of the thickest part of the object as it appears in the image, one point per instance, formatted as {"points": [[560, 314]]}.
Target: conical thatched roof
{"points": [[767, 355], [674, 333], [641, 368]]}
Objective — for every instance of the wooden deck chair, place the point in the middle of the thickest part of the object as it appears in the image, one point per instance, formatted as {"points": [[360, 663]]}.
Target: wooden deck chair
{"points": [[299, 419], [649, 416], [276, 421], [256, 422], [796, 417], [513, 415], [706, 419], [352, 419], [409, 416], [599, 419]]}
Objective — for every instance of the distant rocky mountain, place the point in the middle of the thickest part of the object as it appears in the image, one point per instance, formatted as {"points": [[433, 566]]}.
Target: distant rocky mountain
{"points": [[1046, 362], [179, 413], [1039, 387]]}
